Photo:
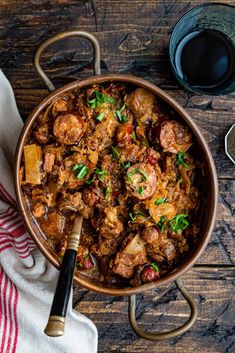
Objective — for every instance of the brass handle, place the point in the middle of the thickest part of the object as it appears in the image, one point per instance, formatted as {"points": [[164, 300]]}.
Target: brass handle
{"points": [[169, 334], [58, 37]]}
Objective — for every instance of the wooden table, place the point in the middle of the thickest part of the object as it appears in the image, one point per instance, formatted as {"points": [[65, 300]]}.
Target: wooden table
{"points": [[134, 36]]}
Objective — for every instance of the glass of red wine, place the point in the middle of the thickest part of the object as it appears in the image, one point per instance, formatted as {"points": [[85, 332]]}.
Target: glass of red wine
{"points": [[202, 49]]}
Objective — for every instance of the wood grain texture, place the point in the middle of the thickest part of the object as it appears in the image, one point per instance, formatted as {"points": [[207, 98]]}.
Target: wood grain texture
{"points": [[134, 37]]}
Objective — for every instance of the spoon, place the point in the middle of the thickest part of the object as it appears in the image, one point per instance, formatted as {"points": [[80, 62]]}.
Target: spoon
{"points": [[56, 321]]}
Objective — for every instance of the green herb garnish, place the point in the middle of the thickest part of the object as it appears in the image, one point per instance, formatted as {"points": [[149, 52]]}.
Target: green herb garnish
{"points": [[129, 175], [115, 153], [107, 191], [134, 171], [160, 201], [126, 165], [162, 223], [180, 159], [89, 181], [133, 135], [99, 99], [133, 216], [140, 190], [118, 114], [101, 173], [154, 266], [100, 117], [80, 170], [179, 222], [144, 175]]}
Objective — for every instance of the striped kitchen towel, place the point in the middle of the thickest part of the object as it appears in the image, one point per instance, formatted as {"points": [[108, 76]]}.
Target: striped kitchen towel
{"points": [[27, 280]]}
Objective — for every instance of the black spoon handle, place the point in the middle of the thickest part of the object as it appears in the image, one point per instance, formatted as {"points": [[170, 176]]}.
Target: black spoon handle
{"points": [[56, 321]]}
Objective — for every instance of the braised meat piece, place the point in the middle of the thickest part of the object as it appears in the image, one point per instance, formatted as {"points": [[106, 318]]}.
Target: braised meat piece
{"points": [[124, 134], [141, 180], [140, 102], [49, 160], [53, 225], [130, 256], [91, 196], [174, 137], [68, 129], [109, 225], [74, 202], [38, 209], [42, 134]]}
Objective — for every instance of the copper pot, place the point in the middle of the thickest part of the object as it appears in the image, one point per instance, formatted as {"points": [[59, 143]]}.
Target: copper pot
{"points": [[203, 149]]}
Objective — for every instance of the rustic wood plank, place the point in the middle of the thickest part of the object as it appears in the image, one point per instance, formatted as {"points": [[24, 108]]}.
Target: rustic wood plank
{"points": [[163, 309]]}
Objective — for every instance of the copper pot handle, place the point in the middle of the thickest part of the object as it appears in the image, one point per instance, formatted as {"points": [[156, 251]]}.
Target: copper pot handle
{"points": [[58, 37], [169, 334]]}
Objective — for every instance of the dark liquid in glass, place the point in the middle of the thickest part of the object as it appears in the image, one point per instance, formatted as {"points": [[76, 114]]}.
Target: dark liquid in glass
{"points": [[205, 59]]}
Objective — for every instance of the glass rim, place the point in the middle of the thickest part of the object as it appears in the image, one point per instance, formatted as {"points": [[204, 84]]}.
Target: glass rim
{"points": [[182, 82]]}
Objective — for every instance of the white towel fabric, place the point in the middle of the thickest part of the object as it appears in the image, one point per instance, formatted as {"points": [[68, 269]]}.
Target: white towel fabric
{"points": [[27, 280]]}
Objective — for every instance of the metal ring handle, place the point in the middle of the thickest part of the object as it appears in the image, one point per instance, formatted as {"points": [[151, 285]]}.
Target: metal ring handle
{"points": [[169, 334], [58, 37]]}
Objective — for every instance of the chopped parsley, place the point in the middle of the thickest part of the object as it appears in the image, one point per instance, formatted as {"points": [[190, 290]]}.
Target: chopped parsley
{"points": [[99, 99], [100, 117], [134, 171], [107, 191], [126, 165], [154, 266], [119, 116], [80, 170], [144, 175], [160, 201], [133, 216], [180, 159], [179, 222], [115, 153], [133, 135], [129, 175], [101, 173], [140, 190], [89, 181], [162, 223]]}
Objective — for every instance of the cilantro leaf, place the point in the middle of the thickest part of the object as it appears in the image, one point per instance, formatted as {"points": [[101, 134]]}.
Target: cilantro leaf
{"points": [[180, 159]]}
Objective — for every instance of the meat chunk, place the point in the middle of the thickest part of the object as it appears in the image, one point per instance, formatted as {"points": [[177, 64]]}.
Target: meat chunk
{"points": [[53, 225], [140, 102], [44, 195], [163, 251], [124, 134], [105, 246], [69, 173], [74, 202], [150, 156], [49, 160], [109, 224], [91, 196], [42, 134], [61, 105], [151, 235], [131, 153], [141, 180], [68, 129], [38, 209], [174, 137], [132, 255]]}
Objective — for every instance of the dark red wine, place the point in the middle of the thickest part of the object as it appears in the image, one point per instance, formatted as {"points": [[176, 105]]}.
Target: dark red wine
{"points": [[205, 59]]}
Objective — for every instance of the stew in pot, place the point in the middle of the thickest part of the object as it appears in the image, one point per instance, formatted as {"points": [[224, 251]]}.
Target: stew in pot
{"points": [[116, 155]]}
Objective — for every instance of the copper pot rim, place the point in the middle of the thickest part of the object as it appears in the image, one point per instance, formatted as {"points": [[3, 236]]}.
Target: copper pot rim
{"points": [[211, 214]]}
